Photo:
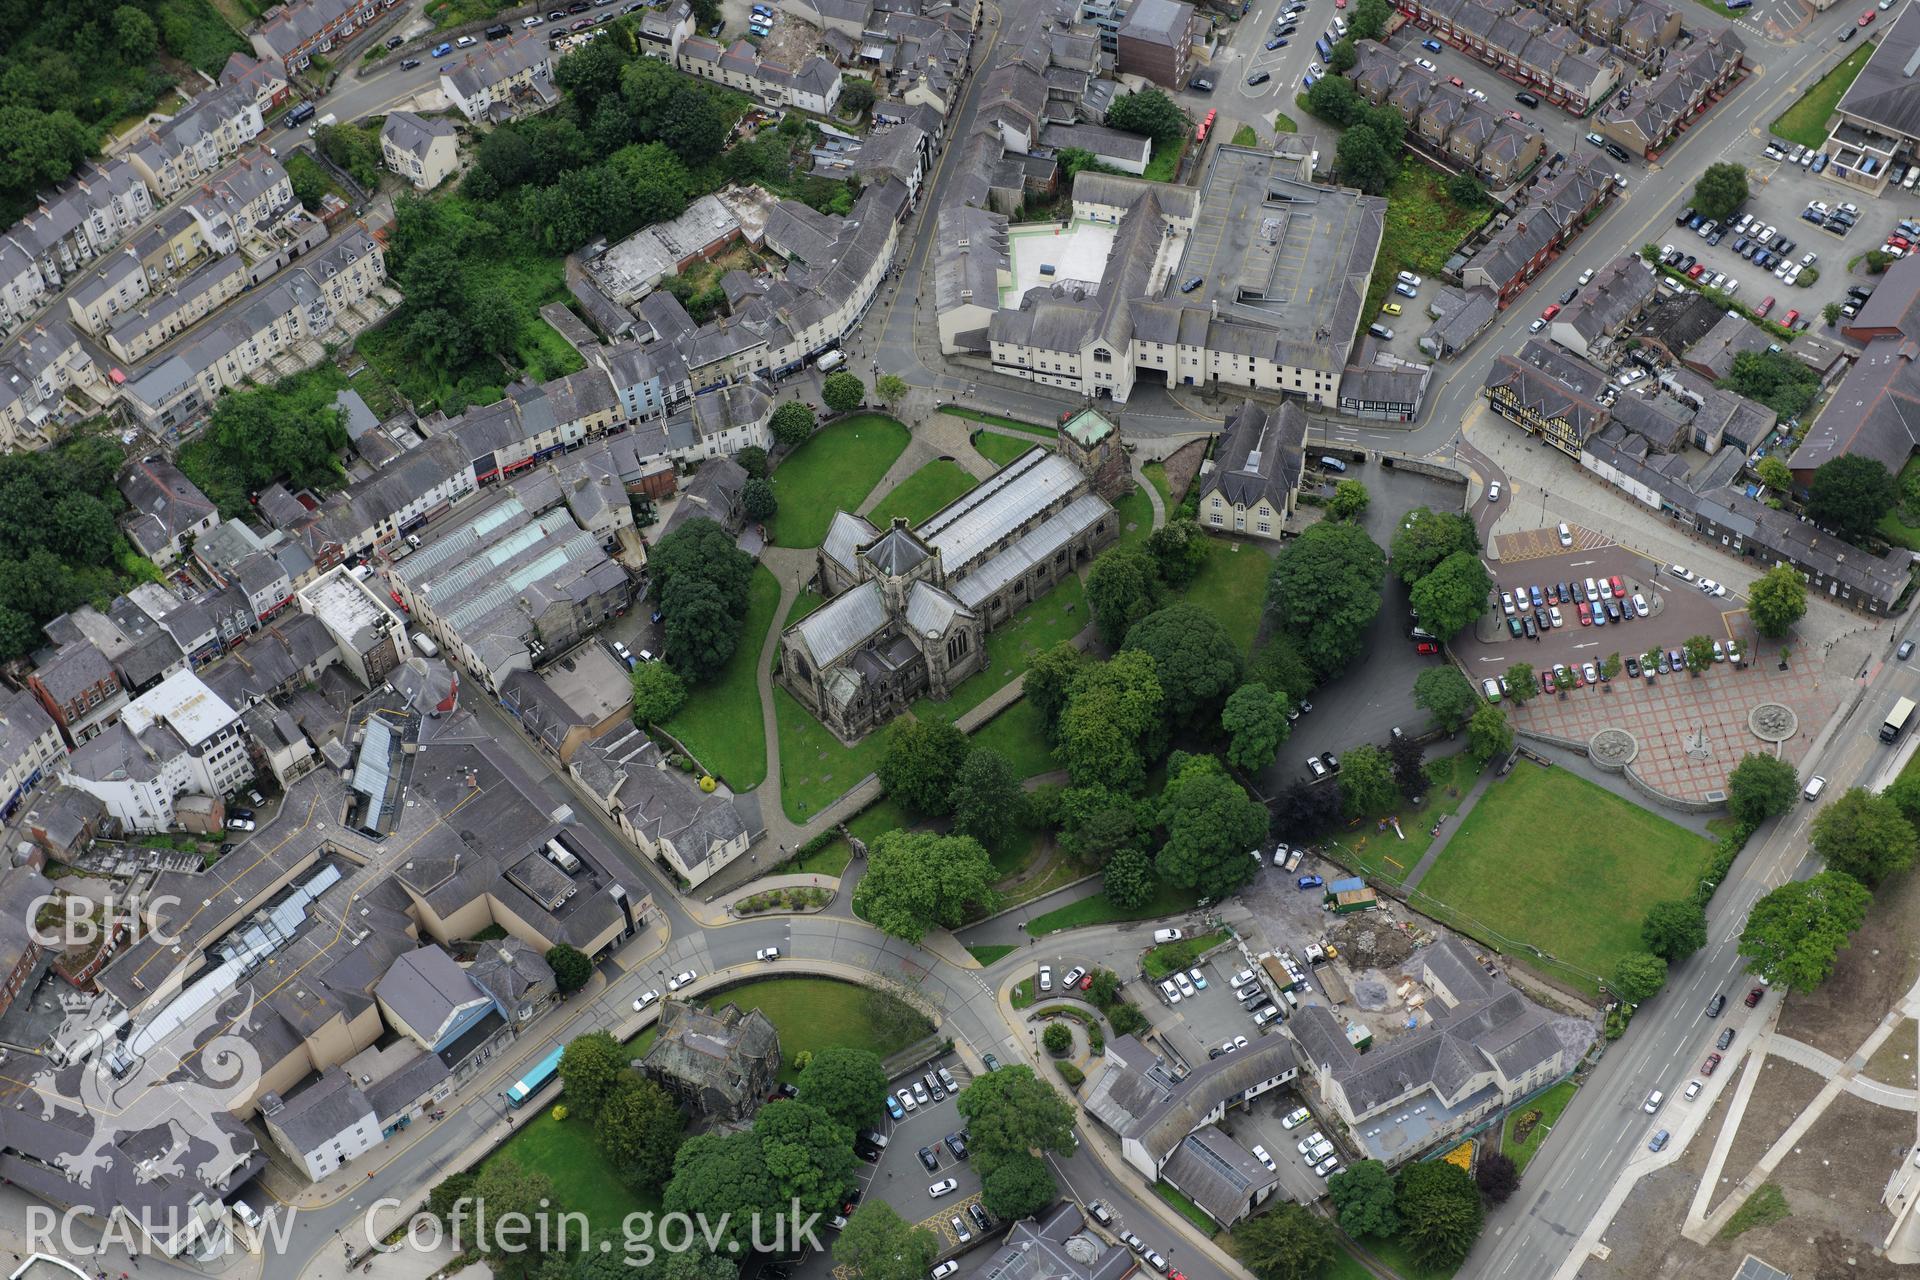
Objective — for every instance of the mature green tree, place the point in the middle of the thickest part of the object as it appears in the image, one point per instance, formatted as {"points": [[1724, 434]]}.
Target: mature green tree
{"points": [[1019, 1187], [1179, 550], [1113, 724], [1426, 537], [921, 763], [1495, 1173], [1865, 835], [1721, 191], [1122, 588], [1638, 976], [1699, 653], [1674, 929], [1465, 190], [878, 1244], [1453, 595], [505, 1186], [1446, 695], [639, 1128], [1148, 112], [1370, 18], [857, 96], [1761, 786], [701, 550], [591, 1067], [701, 631], [1350, 498], [571, 968], [1197, 661], [916, 881], [1794, 933], [1440, 1213], [1097, 821], [1773, 470], [1128, 879], [1288, 1242], [848, 1084], [1325, 589], [843, 391], [1057, 1039], [792, 423], [1409, 766], [1011, 1113], [1364, 1195], [1278, 664], [1210, 825], [725, 1177], [1850, 494], [757, 500], [890, 389], [1777, 600], [988, 802], [1255, 721], [1775, 379], [807, 1153], [1341, 59], [1904, 791], [658, 693], [696, 1263], [1522, 683], [1360, 160], [1367, 781], [1335, 100], [134, 34], [1050, 676], [1488, 734]]}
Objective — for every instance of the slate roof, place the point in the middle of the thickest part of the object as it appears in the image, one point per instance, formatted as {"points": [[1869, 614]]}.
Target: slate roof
{"points": [[1887, 91], [1261, 455], [845, 536], [1057, 1247], [322, 1110], [423, 988], [1217, 1173], [416, 133], [1139, 1096], [155, 487], [839, 626], [625, 767]]}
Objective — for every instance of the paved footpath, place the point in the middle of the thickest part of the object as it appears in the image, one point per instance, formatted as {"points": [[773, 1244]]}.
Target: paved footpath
{"points": [[1452, 824]]}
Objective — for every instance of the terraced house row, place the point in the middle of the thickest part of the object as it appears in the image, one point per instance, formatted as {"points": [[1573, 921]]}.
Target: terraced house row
{"points": [[1444, 120], [1526, 46]]}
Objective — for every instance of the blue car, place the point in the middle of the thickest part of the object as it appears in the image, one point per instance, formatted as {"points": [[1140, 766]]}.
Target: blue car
{"points": [[1276, 43], [894, 1109], [1658, 1142], [1433, 46], [1312, 882], [441, 51]]}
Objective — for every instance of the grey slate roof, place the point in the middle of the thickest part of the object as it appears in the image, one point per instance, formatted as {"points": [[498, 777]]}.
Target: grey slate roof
{"points": [[424, 987], [1057, 1247], [1138, 1096], [1217, 1173], [845, 536], [416, 133], [837, 627], [323, 1110], [1261, 455]]}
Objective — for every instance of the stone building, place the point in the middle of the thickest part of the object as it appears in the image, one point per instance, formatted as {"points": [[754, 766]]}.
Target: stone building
{"points": [[910, 608], [720, 1064]]}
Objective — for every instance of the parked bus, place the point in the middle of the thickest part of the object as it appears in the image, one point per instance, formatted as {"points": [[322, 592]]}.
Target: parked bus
{"points": [[543, 1074], [1897, 720]]}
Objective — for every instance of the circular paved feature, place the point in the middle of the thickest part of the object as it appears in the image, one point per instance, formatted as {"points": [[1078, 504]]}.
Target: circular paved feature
{"points": [[1613, 748], [1773, 722]]}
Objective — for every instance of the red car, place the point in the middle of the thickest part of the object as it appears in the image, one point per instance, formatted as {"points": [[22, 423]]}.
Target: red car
{"points": [[1586, 614], [1614, 582], [1456, 82], [1766, 305], [1753, 996], [1553, 309], [1546, 682], [1864, 19], [1789, 318], [1086, 982], [1708, 1067], [1426, 646], [1900, 242], [1697, 270]]}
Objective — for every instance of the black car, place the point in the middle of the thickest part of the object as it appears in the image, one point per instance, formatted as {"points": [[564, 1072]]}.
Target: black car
{"points": [[1613, 612], [1330, 760], [1276, 43], [1715, 1005], [1526, 624], [867, 1151], [1633, 667], [957, 1143], [1617, 151], [408, 64], [498, 31], [980, 1218], [1569, 295], [1740, 245], [1258, 77], [1682, 218], [929, 1159], [1714, 239], [1526, 99], [1726, 1038], [1200, 84], [1190, 285]]}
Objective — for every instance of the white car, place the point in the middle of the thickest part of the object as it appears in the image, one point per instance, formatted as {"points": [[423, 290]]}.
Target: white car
{"points": [[1586, 276], [1693, 1088], [465, 42], [906, 1099], [1425, 64], [1681, 572], [532, 20], [1493, 492], [1709, 587], [680, 980], [1260, 1154], [1328, 1167], [1241, 978], [1632, 376], [1309, 1142], [767, 953], [646, 998], [1046, 977], [239, 824], [1537, 325], [1408, 277], [942, 1187], [945, 1269], [1640, 604], [1314, 70], [1295, 1118], [1186, 987], [1553, 613], [1171, 992], [1167, 935], [1733, 651]]}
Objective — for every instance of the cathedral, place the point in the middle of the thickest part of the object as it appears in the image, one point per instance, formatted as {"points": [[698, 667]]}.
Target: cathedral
{"points": [[909, 609]]}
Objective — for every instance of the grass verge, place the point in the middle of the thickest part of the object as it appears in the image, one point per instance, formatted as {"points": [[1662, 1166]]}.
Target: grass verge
{"points": [[1165, 161], [1168, 956], [1167, 900], [833, 471], [997, 420], [1805, 122], [812, 1014], [992, 952], [816, 768], [1767, 1205], [1136, 517], [1187, 1209], [999, 449], [720, 723], [1549, 1104], [885, 815], [1532, 895], [1284, 123], [1017, 735]]}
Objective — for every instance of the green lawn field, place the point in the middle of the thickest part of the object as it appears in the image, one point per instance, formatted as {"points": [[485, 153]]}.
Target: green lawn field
{"points": [[922, 493], [833, 471], [720, 723], [1547, 859]]}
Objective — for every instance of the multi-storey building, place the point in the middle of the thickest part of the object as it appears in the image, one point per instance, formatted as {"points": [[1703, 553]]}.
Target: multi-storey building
{"points": [[177, 738]]}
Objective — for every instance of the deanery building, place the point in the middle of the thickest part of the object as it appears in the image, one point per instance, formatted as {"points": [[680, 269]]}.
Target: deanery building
{"points": [[1255, 474], [911, 608]]}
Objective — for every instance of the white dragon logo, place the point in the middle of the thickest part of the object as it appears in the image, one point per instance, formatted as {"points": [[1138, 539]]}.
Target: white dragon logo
{"points": [[203, 1069]]}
